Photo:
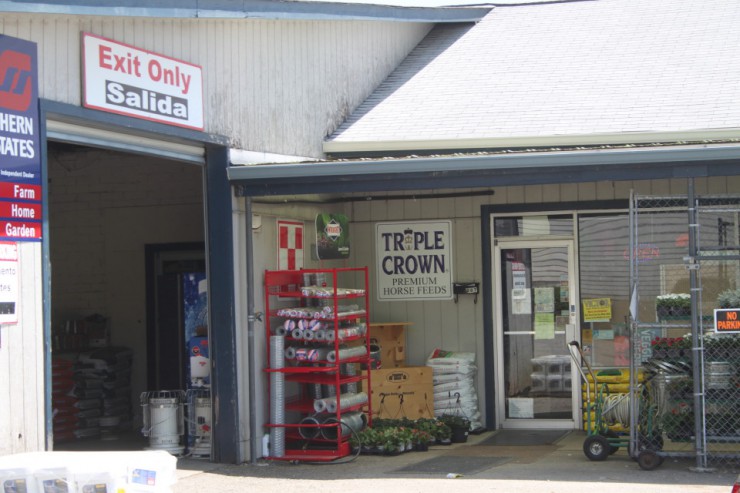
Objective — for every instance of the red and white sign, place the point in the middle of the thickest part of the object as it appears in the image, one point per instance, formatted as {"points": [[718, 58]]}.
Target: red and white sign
{"points": [[20, 211], [8, 282], [119, 78], [290, 245]]}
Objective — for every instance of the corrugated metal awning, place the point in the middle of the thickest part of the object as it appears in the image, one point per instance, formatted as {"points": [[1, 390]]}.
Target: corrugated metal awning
{"points": [[488, 170]]}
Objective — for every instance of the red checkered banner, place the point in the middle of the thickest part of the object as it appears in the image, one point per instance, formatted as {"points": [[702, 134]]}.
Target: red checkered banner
{"points": [[290, 245]]}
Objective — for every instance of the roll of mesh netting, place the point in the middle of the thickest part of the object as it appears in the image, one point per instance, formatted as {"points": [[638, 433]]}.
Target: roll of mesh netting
{"points": [[296, 334], [319, 405], [320, 335], [289, 352], [346, 353], [314, 391], [277, 396], [350, 422], [328, 390], [309, 335], [311, 430], [311, 354], [350, 370], [346, 332], [345, 401]]}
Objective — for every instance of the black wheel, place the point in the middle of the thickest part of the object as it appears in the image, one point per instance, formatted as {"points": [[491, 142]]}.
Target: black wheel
{"points": [[597, 448], [649, 460], [612, 436]]}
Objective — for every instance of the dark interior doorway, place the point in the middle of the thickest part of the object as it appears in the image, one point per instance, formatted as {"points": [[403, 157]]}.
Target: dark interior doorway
{"points": [[171, 269]]}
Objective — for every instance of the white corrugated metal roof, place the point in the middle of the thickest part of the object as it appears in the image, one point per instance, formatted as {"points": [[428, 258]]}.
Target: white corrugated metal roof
{"points": [[561, 73], [254, 9]]}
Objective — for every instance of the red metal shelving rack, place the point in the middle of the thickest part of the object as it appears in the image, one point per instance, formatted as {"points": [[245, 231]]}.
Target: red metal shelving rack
{"points": [[284, 287]]}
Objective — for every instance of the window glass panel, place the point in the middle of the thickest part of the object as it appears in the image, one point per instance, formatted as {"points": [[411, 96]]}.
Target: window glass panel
{"points": [[604, 288], [554, 225]]}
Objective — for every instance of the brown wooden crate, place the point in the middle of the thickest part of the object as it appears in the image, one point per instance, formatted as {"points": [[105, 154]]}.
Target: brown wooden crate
{"points": [[402, 393], [391, 337]]}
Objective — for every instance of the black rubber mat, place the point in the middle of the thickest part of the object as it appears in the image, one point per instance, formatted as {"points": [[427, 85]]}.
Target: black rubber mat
{"points": [[447, 464], [524, 437]]}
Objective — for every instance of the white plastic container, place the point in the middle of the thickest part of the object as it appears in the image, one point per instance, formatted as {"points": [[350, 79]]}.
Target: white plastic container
{"points": [[54, 480], [97, 482], [17, 479]]}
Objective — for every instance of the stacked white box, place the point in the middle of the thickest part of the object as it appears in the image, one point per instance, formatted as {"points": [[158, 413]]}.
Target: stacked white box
{"points": [[549, 373], [82, 472]]}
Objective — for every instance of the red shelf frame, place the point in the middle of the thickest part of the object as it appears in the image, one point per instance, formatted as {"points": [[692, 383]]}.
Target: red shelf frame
{"points": [[284, 285]]}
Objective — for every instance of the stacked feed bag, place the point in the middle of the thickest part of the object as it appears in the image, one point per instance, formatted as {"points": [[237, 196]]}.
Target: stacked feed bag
{"points": [[454, 385], [65, 405], [76, 399], [110, 367]]}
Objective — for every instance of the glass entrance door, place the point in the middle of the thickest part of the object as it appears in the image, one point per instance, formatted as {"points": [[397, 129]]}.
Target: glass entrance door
{"points": [[536, 384]]}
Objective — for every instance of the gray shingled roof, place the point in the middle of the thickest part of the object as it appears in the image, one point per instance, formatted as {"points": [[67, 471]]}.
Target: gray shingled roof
{"points": [[618, 68]]}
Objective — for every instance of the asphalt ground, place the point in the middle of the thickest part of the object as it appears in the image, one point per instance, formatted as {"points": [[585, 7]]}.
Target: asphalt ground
{"points": [[471, 467]]}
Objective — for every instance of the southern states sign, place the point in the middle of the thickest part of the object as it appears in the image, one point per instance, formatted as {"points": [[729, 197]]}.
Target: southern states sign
{"points": [[414, 260], [122, 79], [20, 156]]}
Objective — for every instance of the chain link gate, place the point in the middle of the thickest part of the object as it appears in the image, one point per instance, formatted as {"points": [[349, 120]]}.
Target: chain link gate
{"points": [[685, 372]]}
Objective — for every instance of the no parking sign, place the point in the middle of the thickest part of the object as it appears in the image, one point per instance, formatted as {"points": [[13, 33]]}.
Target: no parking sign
{"points": [[727, 320]]}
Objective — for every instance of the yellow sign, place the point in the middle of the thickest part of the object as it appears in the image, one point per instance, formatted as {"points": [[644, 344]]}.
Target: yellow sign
{"points": [[597, 310]]}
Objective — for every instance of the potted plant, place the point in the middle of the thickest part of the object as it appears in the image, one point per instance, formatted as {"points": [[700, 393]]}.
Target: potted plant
{"points": [[366, 440], [730, 298], [678, 423], [420, 440], [405, 438], [389, 441], [459, 427], [671, 348], [442, 433], [673, 305]]}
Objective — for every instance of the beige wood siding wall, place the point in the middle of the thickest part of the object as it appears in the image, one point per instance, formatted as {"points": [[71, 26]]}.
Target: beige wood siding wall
{"points": [[22, 361], [272, 86]]}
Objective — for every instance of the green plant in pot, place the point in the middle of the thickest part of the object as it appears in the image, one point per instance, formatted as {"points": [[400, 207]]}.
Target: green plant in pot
{"points": [[442, 433], [366, 440], [730, 298], [389, 441], [459, 426], [678, 424], [421, 439], [673, 305]]}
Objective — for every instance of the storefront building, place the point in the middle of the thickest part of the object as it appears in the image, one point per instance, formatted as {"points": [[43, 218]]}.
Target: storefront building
{"points": [[137, 209], [534, 164], [530, 169]]}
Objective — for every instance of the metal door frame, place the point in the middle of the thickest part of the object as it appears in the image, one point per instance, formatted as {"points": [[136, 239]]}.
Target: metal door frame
{"points": [[571, 333]]}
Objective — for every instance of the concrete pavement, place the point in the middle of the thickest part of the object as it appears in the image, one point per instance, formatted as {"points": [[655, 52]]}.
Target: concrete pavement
{"points": [[555, 468]]}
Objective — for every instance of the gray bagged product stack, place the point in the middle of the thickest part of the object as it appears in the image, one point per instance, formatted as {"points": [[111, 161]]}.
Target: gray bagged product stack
{"points": [[454, 385]]}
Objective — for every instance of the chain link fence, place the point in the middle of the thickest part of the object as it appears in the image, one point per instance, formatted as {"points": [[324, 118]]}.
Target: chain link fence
{"points": [[685, 272]]}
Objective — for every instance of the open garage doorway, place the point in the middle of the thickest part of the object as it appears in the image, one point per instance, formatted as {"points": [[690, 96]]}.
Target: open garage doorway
{"points": [[105, 207]]}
